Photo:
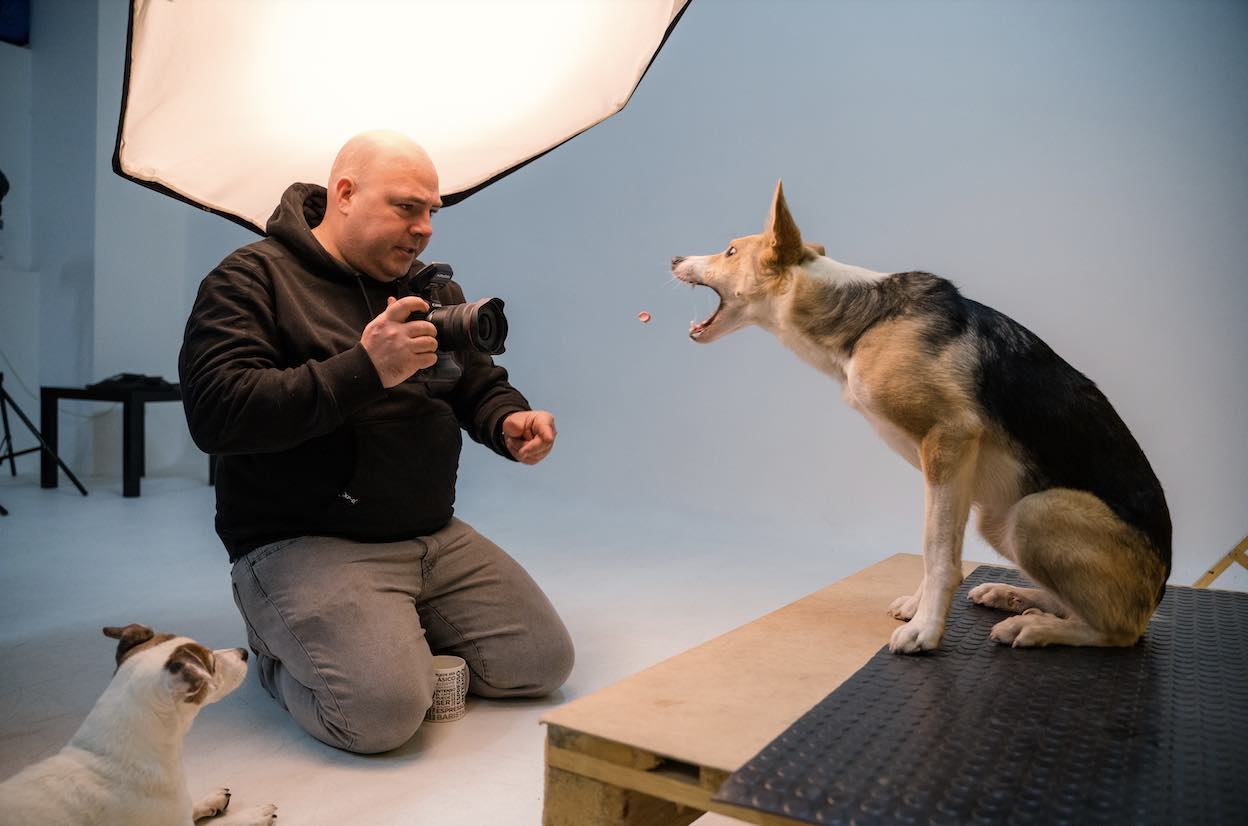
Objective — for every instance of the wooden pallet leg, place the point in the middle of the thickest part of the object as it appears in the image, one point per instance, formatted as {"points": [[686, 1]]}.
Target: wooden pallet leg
{"points": [[575, 800], [1237, 554]]}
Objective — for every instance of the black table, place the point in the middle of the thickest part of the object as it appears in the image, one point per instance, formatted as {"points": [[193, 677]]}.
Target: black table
{"points": [[132, 399]]}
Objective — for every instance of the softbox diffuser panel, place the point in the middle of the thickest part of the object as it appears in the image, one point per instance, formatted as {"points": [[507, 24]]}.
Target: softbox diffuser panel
{"points": [[227, 102]]}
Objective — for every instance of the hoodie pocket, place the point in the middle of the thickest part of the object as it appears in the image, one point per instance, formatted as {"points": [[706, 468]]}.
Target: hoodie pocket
{"points": [[404, 474]]}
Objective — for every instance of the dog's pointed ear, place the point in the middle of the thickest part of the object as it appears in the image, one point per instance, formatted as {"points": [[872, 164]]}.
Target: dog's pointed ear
{"points": [[128, 637], [817, 249], [782, 237], [189, 672]]}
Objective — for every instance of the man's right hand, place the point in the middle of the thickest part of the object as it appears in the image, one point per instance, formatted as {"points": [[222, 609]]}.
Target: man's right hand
{"points": [[398, 347]]}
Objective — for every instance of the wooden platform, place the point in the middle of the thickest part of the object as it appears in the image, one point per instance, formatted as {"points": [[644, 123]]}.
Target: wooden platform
{"points": [[653, 748]]}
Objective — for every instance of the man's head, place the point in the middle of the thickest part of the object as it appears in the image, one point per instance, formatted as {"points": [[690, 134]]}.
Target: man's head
{"points": [[383, 189]]}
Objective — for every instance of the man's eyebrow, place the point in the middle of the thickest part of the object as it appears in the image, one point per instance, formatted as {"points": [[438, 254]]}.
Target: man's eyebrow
{"points": [[416, 199]]}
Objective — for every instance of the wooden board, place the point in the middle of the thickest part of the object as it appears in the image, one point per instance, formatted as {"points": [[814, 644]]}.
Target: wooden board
{"points": [[716, 705]]}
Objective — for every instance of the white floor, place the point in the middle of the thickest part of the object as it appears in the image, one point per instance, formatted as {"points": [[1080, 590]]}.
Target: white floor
{"points": [[632, 588]]}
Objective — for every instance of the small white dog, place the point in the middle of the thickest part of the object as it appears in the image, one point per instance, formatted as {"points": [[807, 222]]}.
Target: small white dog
{"points": [[124, 765]]}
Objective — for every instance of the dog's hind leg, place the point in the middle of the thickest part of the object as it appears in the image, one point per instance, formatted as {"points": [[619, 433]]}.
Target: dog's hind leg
{"points": [[996, 526], [1101, 569], [1034, 628], [948, 453], [1015, 599], [212, 805]]}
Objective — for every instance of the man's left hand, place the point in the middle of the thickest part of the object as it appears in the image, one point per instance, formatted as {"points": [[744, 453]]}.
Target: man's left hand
{"points": [[529, 435]]}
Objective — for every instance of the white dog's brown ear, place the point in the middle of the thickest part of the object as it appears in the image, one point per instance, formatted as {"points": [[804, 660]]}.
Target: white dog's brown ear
{"points": [[129, 636], [190, 670], [817, 249], [782, 237]]}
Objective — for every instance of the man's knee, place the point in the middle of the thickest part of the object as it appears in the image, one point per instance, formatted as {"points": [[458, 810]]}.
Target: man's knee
{"points": [[561, 667], [557, 665], [533, 670], [374, 714], [383, 715]]}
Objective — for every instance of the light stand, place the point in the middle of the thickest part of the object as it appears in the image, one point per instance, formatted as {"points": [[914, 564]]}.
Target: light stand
{"points": [[6, 443]]}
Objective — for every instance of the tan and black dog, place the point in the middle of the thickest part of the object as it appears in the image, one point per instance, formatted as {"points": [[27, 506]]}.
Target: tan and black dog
{"points": [[990, 415]]}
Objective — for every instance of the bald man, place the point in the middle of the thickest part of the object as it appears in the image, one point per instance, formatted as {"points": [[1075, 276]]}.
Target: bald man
{"points": [[336, 470]]}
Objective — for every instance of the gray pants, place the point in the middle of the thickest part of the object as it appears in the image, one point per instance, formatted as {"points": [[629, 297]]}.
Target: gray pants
{"points": [[344, 631]]}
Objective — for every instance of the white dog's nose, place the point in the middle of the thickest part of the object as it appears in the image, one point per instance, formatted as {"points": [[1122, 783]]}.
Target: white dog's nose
{"points": [[676, 261], [242, 652]]}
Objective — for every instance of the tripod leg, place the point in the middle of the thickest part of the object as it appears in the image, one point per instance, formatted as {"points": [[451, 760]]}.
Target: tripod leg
{"points": [[8, 436], [49, 456]]}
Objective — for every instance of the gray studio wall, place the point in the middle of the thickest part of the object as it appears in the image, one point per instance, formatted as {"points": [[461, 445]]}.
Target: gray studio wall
{"points": [[96, 272], [19, 285], [48, 112], [1078, 165]]}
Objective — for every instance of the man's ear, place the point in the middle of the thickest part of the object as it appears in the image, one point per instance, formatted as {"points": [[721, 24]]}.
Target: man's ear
{"points": [[344, 191], [188, 675], [782, 240], [128, 637]]}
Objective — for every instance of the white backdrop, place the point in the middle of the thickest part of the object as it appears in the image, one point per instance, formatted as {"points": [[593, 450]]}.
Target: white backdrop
{"points": [[1076, 164]]}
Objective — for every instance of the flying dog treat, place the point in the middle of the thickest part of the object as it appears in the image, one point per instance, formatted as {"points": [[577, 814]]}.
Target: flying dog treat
{"points": [[643, 317]]}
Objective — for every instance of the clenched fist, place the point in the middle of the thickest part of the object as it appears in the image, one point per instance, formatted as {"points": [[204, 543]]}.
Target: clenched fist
{"points": [[529, 434]]}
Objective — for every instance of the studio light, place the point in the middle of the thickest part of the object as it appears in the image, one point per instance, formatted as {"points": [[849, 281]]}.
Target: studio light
{"points": [[226, 102]]}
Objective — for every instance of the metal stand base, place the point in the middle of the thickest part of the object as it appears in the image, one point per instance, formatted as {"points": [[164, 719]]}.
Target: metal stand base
{"points": [[6, 443]]}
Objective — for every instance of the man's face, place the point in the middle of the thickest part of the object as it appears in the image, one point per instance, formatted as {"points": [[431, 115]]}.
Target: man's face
{"points": [[387, 220]]}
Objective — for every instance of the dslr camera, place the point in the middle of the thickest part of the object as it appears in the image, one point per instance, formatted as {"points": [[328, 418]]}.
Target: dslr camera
{"points": [[479, 326]]}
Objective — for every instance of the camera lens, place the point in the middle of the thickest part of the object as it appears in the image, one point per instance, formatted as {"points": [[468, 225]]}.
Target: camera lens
{"points": [[478, 326]]}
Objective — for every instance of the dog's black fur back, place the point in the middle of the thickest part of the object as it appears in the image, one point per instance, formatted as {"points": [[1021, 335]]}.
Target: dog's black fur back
{"points": [[1069, 432]]}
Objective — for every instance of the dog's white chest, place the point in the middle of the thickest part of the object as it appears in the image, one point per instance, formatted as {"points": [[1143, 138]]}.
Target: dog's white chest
{"points": [[902, 443], [814, 354], [826, 361]]}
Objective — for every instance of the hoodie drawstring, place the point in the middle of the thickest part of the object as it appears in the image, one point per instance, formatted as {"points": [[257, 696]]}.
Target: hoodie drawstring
{"points": [[368, 305]]}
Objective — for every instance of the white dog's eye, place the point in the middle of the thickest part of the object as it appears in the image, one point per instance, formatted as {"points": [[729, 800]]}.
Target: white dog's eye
{"points": [[731, 251]]}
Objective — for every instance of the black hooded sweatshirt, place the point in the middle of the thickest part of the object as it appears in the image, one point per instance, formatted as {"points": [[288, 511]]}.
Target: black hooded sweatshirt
{"points": [[276, 383]]}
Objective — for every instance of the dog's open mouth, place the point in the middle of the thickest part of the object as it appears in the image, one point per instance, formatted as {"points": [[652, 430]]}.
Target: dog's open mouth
{"points": [[697, 328]]}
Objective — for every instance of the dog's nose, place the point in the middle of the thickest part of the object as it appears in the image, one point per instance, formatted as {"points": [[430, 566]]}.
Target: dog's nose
{"points": [[677, 260], [242, 652]]}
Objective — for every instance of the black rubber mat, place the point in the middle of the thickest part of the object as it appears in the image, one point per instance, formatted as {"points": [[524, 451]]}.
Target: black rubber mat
{"points": [[980, 732]]}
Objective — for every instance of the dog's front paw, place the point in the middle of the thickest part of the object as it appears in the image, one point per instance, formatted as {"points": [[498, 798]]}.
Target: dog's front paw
{"points": [[915, 637], [903, 608], [265, 815], [212, 805]]}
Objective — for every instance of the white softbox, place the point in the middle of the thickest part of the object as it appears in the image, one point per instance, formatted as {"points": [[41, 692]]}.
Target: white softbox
{"points": [[227, 102]]}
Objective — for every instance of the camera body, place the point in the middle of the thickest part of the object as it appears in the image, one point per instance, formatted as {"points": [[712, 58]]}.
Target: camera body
{"points": [[479, 326]]}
